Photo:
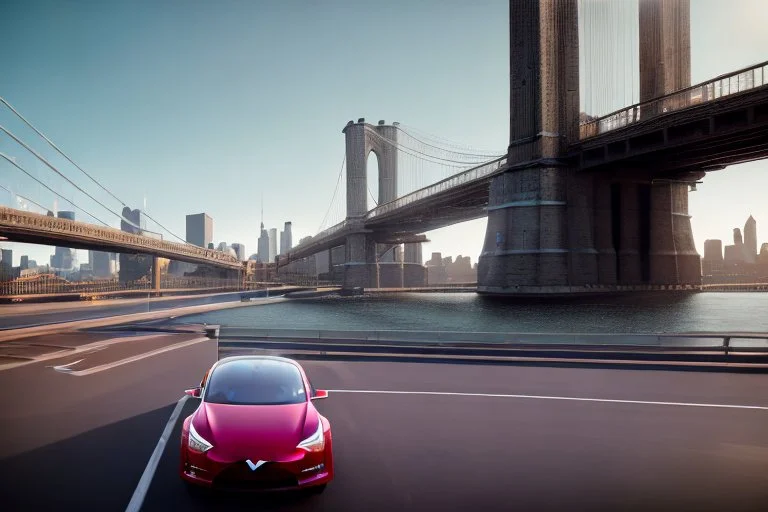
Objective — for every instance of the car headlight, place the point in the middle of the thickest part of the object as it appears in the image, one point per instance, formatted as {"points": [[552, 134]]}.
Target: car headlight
{"points": [[315, 442], [196, 441]]}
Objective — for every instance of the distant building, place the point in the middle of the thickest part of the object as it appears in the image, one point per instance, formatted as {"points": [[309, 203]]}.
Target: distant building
{"points": [[750, 240], [64, 259], [737, 240], [6, 264], [24, 263], [412, 254], [712, 262], [436, 271], [286, 238], [134, 267], [103, 264], [263, 245], [222, 247], [239, 251], [133, 221], [199, 229], [763, 257], [272, 244]]}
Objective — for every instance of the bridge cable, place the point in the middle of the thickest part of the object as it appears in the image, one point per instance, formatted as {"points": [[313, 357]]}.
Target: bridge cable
{"points": [[54, 146], [54, 169], [483, 155], [3, 155], [26, 198], [335, 191]]}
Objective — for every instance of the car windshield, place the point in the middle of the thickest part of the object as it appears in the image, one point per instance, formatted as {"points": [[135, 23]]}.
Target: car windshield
{"points": [[255, 382]]}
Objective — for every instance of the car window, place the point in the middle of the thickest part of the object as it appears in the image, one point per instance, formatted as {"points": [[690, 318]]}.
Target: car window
{"points": [[255, 382]]}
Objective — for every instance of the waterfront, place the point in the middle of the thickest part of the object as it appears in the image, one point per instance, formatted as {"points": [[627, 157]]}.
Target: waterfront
{"points": [[469, 312]]}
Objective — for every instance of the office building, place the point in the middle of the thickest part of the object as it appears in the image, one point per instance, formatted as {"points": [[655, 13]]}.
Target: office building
{"points": [[750, 240], [199, 229], [263, 245], [133, 221], [239, 251], [103, 264], [24, 263], [286, 238], [64, 259], [272, 244]]}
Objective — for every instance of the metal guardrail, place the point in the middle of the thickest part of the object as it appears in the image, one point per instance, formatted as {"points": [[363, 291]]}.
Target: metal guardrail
{"points": [[724, 85], [724, 342], [461, 178]]}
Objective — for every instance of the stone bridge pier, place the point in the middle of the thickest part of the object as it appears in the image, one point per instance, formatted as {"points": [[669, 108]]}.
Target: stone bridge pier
{"points": [[555, 229]]}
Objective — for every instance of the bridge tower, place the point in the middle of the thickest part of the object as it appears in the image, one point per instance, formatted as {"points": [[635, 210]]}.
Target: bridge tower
{"points": [[361, 267], [552, 229]]}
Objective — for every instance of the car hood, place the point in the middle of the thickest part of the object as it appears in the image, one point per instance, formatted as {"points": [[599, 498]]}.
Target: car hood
{"points": [[258, 432]]}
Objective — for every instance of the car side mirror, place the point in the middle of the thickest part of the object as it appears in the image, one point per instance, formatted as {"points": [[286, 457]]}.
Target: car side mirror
{"points": [[194, 392], [320, 393]]}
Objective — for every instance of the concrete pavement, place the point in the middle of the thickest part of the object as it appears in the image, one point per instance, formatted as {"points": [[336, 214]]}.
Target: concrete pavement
{"points": [[517, 440]]}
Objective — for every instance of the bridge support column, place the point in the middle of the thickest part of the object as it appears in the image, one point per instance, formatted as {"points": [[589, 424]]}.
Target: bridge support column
{"points": [[629, 264], [540, 221], [360, 268], [156, 273], [672, 256]]}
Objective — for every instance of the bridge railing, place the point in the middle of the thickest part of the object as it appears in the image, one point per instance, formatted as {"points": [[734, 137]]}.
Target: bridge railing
{"points": [[56, 225], [724, 85], [461, 178]]}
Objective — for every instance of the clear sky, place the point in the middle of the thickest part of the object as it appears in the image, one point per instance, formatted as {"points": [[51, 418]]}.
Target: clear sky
{"points": [[205, 106]]}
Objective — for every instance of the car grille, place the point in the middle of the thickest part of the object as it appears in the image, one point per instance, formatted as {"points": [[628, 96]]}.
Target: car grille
{"points": [[239, 476]]}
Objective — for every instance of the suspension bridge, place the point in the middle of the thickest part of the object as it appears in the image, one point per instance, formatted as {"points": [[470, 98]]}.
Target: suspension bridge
{"points": [[606, 137]]}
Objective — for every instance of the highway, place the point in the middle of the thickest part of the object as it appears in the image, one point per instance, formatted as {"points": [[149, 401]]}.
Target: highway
{"points": [[407, 436]]}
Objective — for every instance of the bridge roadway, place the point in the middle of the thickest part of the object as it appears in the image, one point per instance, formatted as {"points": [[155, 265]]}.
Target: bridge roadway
{"points": [[669, 440], [704, 136], [27, 227]]}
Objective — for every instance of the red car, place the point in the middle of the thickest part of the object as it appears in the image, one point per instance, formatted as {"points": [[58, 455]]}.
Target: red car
{"points": [[256, 428]]}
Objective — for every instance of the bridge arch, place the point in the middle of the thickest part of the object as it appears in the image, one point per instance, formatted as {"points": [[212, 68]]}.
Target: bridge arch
{"points": [[361, 139]]}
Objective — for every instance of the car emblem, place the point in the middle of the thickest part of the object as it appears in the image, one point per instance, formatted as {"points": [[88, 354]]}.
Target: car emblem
{"points": [[256, 466]]}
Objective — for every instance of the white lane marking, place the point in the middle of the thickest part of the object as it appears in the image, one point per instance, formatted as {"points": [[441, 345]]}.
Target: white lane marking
{"points": [[138, 357], [542, 397], [149, 472], [65, 367], [92, 347]]}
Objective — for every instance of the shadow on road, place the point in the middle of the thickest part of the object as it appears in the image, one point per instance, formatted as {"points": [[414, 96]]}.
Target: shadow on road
{"points": [[96, 470]]}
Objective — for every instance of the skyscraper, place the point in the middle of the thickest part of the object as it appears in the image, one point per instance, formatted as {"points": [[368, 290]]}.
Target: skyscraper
{"points": [[103, 264], [133, 221], [272, 244], [263, 248], [286, 239], [750, 240], [64, 259], [737, 240], [199, 229], [239, 251], [222, 247], [133, 266]]}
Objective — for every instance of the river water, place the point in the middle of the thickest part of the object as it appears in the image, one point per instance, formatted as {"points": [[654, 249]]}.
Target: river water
{"points": [[469, 312]]}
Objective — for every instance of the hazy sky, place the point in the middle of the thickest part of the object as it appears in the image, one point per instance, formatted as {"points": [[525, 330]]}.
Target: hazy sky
{"points": [[205, 106]]}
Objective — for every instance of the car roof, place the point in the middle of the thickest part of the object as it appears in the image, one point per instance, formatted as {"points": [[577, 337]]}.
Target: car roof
{"points": [[279, 359]]}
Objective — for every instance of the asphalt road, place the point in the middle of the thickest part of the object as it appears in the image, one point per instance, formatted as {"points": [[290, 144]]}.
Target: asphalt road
{"points": [[515, 439], [15, 316]]}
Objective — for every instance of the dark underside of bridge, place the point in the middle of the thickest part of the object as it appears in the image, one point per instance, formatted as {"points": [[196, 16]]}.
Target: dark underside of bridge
{"points": [[705, 137]]}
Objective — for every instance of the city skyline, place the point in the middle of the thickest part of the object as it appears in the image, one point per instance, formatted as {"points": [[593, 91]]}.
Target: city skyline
{"points": [[95, 120]]}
